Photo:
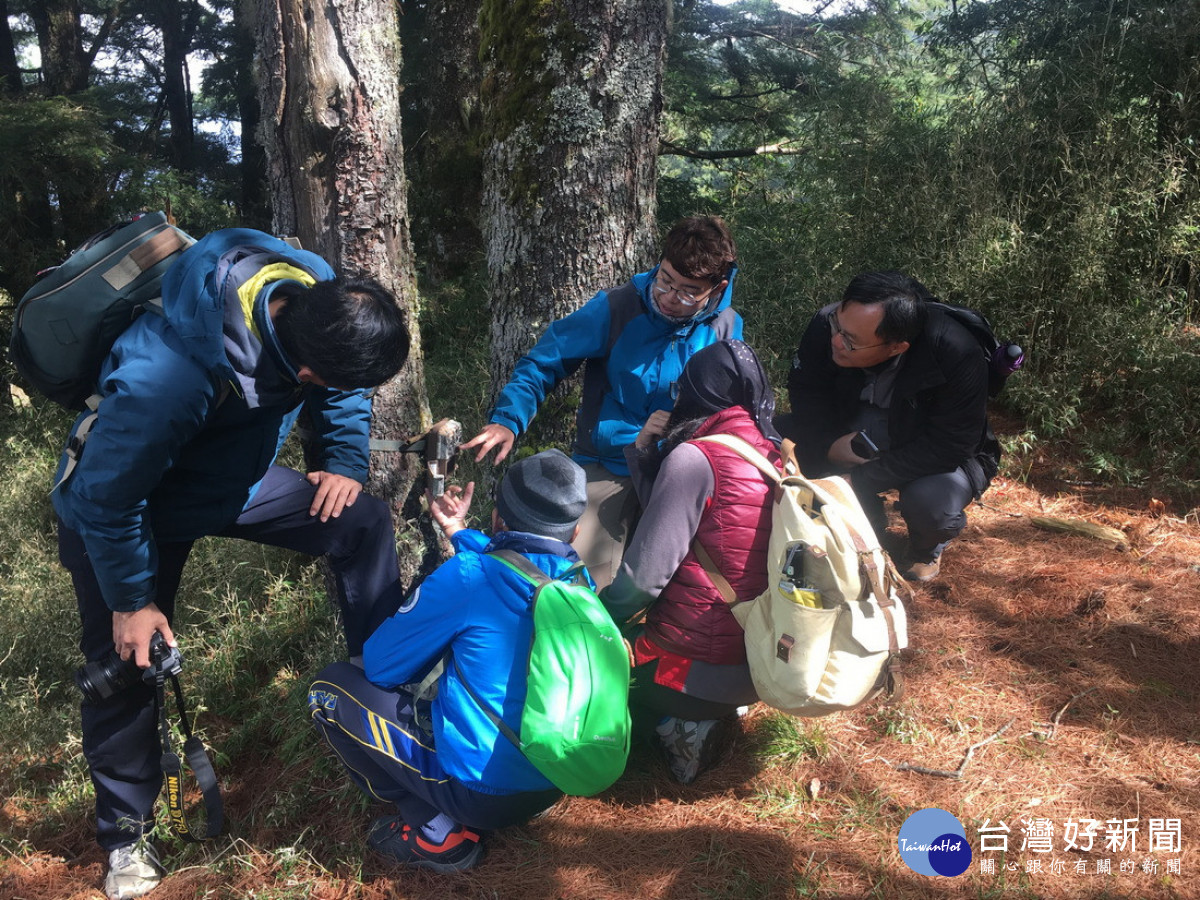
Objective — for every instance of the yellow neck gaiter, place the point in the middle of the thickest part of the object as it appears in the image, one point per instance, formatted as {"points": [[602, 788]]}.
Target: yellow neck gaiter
{"points": [[278, 271]]}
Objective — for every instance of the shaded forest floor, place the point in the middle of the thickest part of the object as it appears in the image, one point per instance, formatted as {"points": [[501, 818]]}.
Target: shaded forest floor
{"points": [[1080, 659]]}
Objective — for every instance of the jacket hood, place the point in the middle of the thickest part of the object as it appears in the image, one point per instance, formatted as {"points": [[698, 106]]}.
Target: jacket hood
{"points": [[712, 308], [196, 288]]}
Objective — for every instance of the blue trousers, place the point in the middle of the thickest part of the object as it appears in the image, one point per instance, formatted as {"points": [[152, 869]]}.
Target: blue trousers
{"points": [[120, 737], [374, 732]]}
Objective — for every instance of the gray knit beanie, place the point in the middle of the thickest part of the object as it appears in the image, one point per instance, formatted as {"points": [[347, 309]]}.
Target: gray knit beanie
{"points": [[543, 494]]}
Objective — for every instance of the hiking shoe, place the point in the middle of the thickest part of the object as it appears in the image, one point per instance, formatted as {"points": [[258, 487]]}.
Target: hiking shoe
{"points": [[923, 569], [133, 870], [690, 747], [397, 840]]}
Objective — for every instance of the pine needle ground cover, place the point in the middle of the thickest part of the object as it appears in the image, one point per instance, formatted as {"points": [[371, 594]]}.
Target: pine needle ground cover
{"points": [[1053, 681]]}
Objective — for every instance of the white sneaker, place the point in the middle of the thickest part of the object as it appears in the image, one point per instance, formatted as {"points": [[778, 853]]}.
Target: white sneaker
{"points": [[133, 870]]}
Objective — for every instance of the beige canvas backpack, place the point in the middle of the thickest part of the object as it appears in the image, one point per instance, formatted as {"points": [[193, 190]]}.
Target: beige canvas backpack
{"points": [[826, 634]]}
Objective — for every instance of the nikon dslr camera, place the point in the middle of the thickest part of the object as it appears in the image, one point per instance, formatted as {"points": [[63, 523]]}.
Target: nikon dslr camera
{"points": [[107, 677]]}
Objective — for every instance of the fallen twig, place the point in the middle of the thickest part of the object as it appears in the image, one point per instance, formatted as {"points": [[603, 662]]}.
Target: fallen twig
{"points": [[1003, 512], [962, 766], [1048, 735]]}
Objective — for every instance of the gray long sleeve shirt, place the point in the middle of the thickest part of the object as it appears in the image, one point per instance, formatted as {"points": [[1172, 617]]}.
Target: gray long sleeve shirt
{"points": [[673, 503]]}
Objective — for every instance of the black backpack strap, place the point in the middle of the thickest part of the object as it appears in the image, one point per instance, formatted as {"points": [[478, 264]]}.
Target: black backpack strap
{"points": [[537, 578], [198, 761], [76, 440], [624, 305], [500, 724], [522, 564]]}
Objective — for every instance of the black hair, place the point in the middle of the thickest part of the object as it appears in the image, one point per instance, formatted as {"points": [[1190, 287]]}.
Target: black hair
{"points": [[681, 428], [349, 331], [903, 299], [701, 247]]}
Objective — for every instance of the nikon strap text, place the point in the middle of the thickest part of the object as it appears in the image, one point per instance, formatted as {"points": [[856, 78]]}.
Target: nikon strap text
{"points": [[198, 761]]}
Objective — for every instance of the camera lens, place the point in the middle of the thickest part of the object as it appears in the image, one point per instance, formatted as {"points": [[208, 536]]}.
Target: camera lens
{"points": [[102, 679]]}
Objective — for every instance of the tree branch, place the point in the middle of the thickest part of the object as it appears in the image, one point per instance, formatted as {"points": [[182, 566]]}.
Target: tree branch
{"points": [[102, 35], [962, 766], [777, 35], [668, 148]]}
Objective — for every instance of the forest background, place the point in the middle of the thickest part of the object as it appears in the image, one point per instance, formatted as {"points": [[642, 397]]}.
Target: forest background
{"points": [[1034, 159]]}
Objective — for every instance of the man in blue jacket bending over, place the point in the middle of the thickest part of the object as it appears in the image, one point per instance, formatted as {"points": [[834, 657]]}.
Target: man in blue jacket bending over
{"points": [[194, 406], [457, 775], [635, 339]]}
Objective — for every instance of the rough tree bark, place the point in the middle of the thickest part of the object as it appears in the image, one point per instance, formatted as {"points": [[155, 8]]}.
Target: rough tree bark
{"points": [[572, 96], [443, 151], [60, 41], [329, 94]]}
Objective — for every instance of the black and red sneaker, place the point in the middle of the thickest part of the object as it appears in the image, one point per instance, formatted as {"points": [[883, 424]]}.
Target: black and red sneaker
{"points": [[460, 850]]}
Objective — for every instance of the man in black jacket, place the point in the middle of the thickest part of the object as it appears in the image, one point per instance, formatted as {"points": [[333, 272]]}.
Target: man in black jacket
{"points": [[892, 393]]}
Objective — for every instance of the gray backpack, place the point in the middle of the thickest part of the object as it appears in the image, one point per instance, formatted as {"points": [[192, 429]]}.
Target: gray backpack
{"points": [[66, 323]]}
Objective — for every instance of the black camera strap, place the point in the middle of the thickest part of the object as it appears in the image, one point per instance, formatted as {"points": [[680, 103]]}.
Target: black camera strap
{"points": [[198, 761]]}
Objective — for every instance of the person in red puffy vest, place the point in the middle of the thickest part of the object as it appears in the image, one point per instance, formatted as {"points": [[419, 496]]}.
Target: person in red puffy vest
{"points": [[690, 674]]}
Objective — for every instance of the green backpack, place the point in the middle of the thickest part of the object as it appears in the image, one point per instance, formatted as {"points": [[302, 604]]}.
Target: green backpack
{"points": [[575, 722]]}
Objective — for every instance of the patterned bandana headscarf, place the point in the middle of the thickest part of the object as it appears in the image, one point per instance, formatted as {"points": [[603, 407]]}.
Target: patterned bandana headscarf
{"points": [[724, 375]]}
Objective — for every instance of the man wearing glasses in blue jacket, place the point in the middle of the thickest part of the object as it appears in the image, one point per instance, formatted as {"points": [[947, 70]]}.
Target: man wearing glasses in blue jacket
{"points": [[635, 340]]}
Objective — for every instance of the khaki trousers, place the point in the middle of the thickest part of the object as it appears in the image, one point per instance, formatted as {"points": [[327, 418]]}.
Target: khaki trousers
{"points": [[605, 527]]}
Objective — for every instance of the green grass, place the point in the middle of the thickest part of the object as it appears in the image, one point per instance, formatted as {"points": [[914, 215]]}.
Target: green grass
{"points": [[899, 723], [782, 738], [254, 625], [727, 877]]}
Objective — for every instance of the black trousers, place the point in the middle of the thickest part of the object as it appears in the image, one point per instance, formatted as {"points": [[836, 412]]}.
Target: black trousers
{"points": [[120, 737]]}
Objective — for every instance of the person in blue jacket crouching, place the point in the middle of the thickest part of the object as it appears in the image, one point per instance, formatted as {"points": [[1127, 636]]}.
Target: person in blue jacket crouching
{"points": [[445, 765]]}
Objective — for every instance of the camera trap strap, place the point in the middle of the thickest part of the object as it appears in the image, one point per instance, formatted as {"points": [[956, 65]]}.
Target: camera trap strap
{"points": [[198, 761]]}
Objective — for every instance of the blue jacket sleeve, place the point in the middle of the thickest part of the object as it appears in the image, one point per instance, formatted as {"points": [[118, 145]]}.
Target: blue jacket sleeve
{"points": [[469, 539], [564, 346], [342, 420], [155, 400], [406, 646]]}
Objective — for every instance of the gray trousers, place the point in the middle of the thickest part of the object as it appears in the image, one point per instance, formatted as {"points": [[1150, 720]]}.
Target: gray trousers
{"points": [[934, 509]]}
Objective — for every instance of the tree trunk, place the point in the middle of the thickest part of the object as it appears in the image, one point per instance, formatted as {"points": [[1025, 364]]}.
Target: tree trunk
{"points": [[573, 95], [255, 204], [80, 194], [10, 70], [60, 40], [176, 25], [446, 167], [329, 94]]}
